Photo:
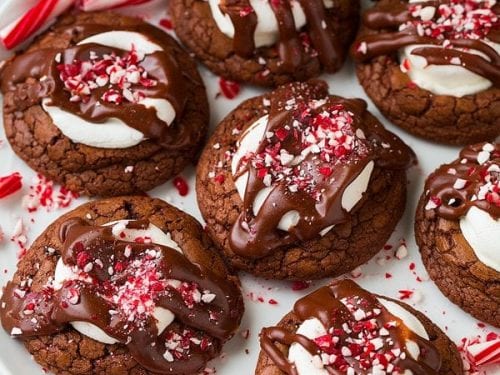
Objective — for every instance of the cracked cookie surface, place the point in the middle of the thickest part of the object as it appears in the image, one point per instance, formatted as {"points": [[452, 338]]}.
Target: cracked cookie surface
{"points": [[455, 268], [456, 120], [444, 119], [70, 352], [451, 361], [196, 28], [98, 171], [342, 249]]}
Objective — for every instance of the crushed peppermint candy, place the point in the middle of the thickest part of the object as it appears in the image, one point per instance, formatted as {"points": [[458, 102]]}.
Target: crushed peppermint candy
{"points": [[179, 345], [368, 341], [328, 136], [135, 285], [19, 237], [122, 77], [457, 19], [229, 89], [401, 252], [482, 174], [10, 184], [43, 193]]}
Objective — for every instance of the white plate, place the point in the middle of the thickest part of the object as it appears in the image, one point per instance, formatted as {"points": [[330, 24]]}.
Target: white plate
{"points": [[240, 355]]}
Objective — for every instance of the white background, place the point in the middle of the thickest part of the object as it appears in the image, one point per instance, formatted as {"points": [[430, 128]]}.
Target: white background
{"points": [[240, 355]]}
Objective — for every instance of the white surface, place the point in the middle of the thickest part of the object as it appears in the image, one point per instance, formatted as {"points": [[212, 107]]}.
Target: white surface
{"points": [[14, 359]]}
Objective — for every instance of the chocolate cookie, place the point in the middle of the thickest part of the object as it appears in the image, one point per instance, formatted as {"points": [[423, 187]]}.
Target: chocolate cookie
{"points": [[128, 285], [105, 105], [458, 230], [436, 81], [267, 43], [342, 328], [300, 184]]}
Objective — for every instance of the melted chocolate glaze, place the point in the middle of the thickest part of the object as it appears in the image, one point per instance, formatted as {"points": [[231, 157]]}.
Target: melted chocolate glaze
{"points": [[41, 65], [326, 305], [51, 310], [454, 203], [257, 236], [384, 38], [291, 50]]}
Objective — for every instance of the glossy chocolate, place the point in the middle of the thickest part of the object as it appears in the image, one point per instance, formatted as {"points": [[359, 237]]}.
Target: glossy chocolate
{"points": [[393, 25], [314, 185], [291, 49], [456, 187], [43, 73], [118, 286], [335, 307]]}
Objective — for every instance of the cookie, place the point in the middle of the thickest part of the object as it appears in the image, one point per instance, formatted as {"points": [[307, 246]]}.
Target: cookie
{"points": [[342, 328], [127, 285], [457, 228], [267, 43], [414, 67], [299, 184], [105, 105]]}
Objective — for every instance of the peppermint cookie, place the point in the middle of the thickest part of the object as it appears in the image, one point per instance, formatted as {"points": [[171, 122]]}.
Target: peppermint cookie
{"points": [[300, 184], [105, 105], [267, 42], [458, 230], [433, 68], [122, 286], [344, 329]]}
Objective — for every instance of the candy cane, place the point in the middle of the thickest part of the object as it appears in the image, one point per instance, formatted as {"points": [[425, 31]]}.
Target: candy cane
{"points": [[485, 353], [42, 12], [91, 5], [11, 10]]}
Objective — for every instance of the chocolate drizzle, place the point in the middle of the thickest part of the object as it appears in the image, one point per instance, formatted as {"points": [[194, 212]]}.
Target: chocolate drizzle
{"points": [[314, 178], [456, 187], [335, 306], [118, 293], [291, 50], [48, 66], [392, 25]]}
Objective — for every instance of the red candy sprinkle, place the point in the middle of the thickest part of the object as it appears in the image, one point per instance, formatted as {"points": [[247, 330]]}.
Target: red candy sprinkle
{"points": [[219, 178], [10, 184], [82, 259], [166, 23], [405, 294], [245, 11], [181, 186], [326, 171], [229, 89], [299, 285]]}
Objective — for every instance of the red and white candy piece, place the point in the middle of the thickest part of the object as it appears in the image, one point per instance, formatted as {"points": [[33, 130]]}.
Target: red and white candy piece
{"points": [[33, 18], [485, 353], [92, 5]]}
